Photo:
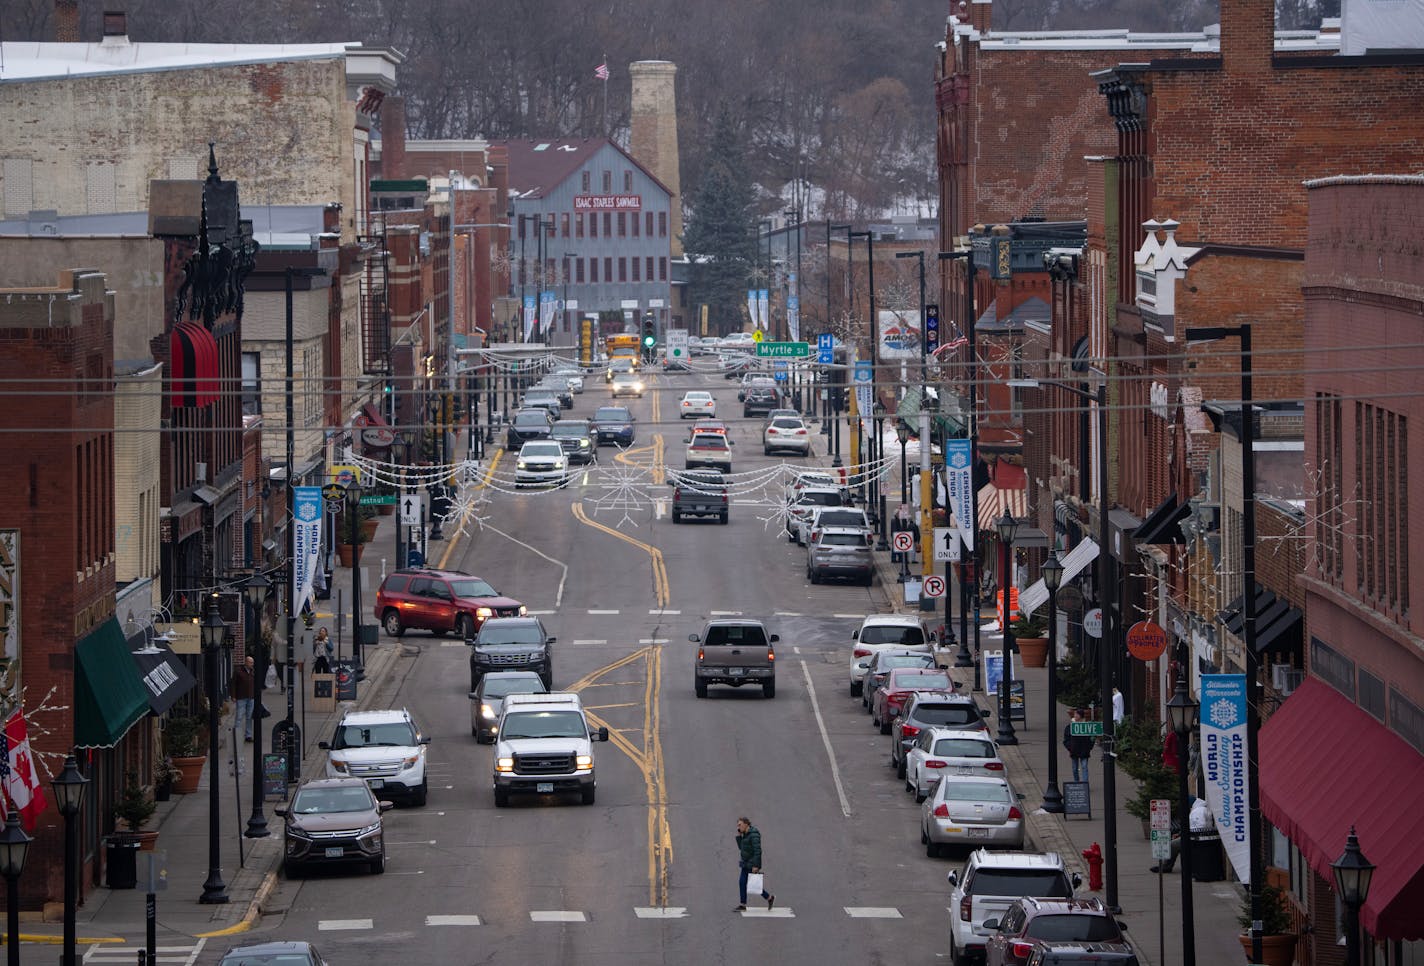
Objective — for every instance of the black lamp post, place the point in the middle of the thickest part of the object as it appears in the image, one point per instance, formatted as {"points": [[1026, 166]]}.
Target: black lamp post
{"points": [[877, 460], [902, 433], [255, 589], [353, 507], [838, 384], [1008, 528], [69, 786], [14, 847], [1052, 573], [1353, 873], [1182, 714], [213, 630]]}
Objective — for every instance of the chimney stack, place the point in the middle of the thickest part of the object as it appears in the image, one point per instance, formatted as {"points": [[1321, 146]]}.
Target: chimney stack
{"points": [[116, 26], [66, 21], [653, 138], [980, 14], [393, 138], [1248, 35]]}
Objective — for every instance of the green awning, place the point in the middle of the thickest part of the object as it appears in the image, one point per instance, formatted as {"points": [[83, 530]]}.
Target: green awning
{"points": [[948, 421], [108, 695]]}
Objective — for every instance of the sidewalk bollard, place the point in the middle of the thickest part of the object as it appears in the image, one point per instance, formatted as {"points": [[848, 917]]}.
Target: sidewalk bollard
{"points": [[1093, 855]]}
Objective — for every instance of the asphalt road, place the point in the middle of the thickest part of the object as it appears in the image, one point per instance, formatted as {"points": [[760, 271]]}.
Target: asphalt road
{"points": [[648, 873]]}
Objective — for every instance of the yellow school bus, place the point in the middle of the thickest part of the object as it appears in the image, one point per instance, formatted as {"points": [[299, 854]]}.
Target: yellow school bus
{"points": [[622, 347]]}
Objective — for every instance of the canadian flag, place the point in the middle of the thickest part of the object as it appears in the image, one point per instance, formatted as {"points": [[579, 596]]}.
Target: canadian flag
{"points": [[17, 770]]}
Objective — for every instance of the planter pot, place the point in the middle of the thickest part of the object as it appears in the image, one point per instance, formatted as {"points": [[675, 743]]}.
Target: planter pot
{"points": [[1275, 950], [346, 554], [386, 509], [190, 770], [162, 791], [146, 840], [368, 527], [1033, 651]]}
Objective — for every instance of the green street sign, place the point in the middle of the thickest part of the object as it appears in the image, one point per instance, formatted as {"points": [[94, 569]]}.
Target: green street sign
{"points": [[784, 350], [1093, 729], [378, 499]]}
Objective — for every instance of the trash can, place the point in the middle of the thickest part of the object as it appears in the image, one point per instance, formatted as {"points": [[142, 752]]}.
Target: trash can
{"points": [[1207, 864], [121, 861]]}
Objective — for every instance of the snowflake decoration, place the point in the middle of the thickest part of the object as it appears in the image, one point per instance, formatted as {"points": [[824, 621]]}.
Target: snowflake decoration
{"points": [[1223, 713], [621, 486], [468, 505], [779, 513]]}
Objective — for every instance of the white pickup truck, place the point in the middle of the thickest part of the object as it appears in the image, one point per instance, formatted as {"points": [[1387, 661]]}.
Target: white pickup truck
{"points": [[544, 745]]}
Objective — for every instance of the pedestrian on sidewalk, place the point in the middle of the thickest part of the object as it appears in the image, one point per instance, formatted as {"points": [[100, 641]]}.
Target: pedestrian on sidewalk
{"points": [[1119, 707], [242, 688], [322, 652], [749, 861], [1079, 746]]}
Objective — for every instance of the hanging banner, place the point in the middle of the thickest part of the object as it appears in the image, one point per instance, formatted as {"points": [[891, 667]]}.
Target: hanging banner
{"points": [[548, 304], [306, 519], [1223, 757], [528, 316], [793, 307], [763, 308], [899, 334], [1073, 563], [959, 477], [752, 306]]}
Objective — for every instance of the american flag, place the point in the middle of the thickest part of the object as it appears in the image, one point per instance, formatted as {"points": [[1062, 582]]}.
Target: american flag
{"points": [[601, 71]]}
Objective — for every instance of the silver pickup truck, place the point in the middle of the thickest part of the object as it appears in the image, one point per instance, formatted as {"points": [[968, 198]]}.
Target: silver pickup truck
{"points": [[735, 652]]}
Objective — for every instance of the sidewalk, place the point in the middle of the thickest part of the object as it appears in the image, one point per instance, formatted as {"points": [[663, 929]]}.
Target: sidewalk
{"points": [[116, 917], [1215, 904]]}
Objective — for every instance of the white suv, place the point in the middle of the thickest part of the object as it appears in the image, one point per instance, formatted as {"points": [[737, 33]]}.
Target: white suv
{"points": [[879, 632], [383, 747], [986, 887]]}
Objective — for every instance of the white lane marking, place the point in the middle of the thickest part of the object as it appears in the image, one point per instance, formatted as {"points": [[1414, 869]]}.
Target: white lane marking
{"points": [[826, 740], [652, 640], [660, 912], [780, 912], [335, 925], [873, 912], [603, 613], [557, 915], [459, 643], [415, 841], [122, 952], [795, 649], [590, 640], [669, 613], [558, 597], [724, 613], [542, 613], [848, 617], [452, 920], [786, 613]]}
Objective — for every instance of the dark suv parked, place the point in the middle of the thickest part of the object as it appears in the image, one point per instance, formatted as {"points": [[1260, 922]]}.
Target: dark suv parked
{"points": [[931, 709], [1031, 919], [439, 601], [512, 644], [528, 424], [760, 399]]}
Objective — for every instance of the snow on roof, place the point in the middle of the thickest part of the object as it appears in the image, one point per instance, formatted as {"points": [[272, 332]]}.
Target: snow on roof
{"points": [[34, 60], [1205, 40]]}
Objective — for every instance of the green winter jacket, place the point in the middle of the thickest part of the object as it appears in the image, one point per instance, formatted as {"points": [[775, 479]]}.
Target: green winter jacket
{"points": [[750, 846]]}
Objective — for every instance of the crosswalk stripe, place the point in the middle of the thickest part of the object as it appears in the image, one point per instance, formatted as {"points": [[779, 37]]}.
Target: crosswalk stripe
{"points": [[590, 641], [126, 953], [557, 915], [603, 613], [848, 617], [660, 912], [337, 925], [780, 912], [652, 640], [542, 613], [873, 912], [724, 613], [452, 920]]}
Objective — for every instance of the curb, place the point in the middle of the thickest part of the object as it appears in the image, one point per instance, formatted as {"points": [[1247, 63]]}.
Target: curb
{"points": [[254, 910], [57, 940]]}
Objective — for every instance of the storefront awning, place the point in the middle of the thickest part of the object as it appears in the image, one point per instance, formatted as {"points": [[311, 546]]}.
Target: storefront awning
{"points": [[1163, 525], [1279, 626], [165, 679], [108, 695], [1007, 491], [375, 431], [193, 366], [1320, 741]]}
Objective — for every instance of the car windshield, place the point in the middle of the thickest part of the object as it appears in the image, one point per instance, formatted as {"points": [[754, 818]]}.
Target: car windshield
{"points": [[610, 414], [709, 441], [530, 419], [891, 634], [472, 587], [991, 792], [702, 482], [963, 748], [497, 687], [842, 540], [538, 399], [541, 449], [698, 396], [1041, 883], [391, 734], [543, 724], [320, 801], [820, 499], [914, 678], [731, 634], [569, 428], [787, 422], [946, 714], [493, 632], [888, 662], [1088, 929], [621, 365], [841, 518], [266, 959]]}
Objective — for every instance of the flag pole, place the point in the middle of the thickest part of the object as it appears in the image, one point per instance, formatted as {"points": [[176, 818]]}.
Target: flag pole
{"points": [[605, 95]]}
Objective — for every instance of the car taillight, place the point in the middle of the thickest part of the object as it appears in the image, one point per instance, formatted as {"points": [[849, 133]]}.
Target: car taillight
{"points": [[941, 810], [677, 493], [935, 764], [1021, 950], [862, 652], [800, 432], [701, 654], [1014, 813], [966, 909], [771, 654], [908, 731], [993, 766]]}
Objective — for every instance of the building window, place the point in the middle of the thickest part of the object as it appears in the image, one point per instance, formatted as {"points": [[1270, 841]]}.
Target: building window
{"points": [[622, 269], [650, 267], [1381, 543], [587, 181], [593, 225], [637, 270], [1371, 694], [578, 270], [607, 182], [662, 269], [622, 224], [593, 270], [252, 384], [564, 224], [635, 224], [662, 224], [578, 225], [607, 225], [1329, 483], [628, 179], [608, 269], [649, 217], [1406, 718], [1334, 668]]}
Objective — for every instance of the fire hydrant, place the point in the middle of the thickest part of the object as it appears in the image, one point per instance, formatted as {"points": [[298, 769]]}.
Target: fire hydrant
{"points": [[1093, 855]]}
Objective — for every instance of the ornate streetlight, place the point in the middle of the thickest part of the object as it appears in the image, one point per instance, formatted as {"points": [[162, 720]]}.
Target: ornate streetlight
{"points": [[213, 631], [69, 786], [1353, 873], [256, 590], [1052, 573], [353, 510], [14, 847], [1008, 528]]}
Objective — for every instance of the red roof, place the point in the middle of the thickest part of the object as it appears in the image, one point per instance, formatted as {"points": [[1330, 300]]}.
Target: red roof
{"points": [[536, 168]]}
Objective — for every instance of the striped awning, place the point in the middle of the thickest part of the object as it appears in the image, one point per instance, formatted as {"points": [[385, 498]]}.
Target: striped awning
{"points": [[193, 367], [993, 501]]}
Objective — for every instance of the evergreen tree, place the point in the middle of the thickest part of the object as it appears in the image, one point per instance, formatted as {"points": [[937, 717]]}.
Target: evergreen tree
{"points": [[721, 234]]}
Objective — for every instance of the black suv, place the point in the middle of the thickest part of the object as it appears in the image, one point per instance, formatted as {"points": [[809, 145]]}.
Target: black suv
{"points": [[1072, 954], [931, 709], [578, 438], [614, 424], [528, 424], [1057, 921], [760, 399], [512, 644]]}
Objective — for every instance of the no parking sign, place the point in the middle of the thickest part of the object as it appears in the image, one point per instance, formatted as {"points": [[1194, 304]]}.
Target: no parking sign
{"points": [[933, 587]]}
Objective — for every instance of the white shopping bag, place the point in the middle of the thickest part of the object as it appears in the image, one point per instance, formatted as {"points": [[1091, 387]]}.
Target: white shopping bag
{"points": [[756, 883]]}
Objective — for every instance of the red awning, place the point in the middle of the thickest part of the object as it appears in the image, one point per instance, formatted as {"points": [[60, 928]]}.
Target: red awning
{"points": [[1007, 490], [192, 365], [1327, 765], [373, 415]]}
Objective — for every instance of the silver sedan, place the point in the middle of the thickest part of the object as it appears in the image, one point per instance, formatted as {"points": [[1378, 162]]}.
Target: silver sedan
{"points": [[971, 812], [943, 752]]}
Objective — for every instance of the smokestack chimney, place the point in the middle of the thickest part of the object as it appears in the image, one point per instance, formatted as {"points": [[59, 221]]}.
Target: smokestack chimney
{"points": [[393, 138], [653, 139], [66, 21], [980, 14], [1248, 35], [116, 27]]}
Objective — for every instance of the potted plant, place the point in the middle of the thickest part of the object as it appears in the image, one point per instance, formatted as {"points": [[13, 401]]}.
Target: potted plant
{"points": [[366, 524], [165, 775], [182, 738], [133, 808], [1277, 939], [1029, 636]]}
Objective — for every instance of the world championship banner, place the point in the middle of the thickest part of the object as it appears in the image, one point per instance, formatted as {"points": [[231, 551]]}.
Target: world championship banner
{"points": [[1223, 756], [306, 521], [959, 479]]}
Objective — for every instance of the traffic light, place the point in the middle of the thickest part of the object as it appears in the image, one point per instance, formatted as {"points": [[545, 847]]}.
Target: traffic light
{"points": [[650, 334]]}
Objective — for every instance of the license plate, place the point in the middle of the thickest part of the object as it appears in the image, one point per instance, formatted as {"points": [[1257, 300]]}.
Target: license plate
{"points": [[376, 782], [334, 852], [978, 833], [544, 788], [736, 671]]}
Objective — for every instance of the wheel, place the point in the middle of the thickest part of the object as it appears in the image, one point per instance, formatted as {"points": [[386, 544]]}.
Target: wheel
{"points": [[501, 797], [701, 689], [954, 956], [766, 450], [587, 794], [855, 688], [378, 864], [931, 849], [722, 518], [869, 579], [676, 517], [465, 625], [421, 793], [874, 720], [909, 785], [923, 837], [920, 796], [391, 621], [292, 870], [768, 690], [815, 578], [884, 727], [790, 537], [900, 768], [475, 733]]}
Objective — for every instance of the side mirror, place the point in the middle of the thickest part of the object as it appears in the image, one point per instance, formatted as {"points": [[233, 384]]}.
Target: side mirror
{"points": [[425, 741], [855, 634], [324, 745], [385, 806], [280, 812], [990, 924], [672, 483], [1122, 925], [952, 878], [474, 695], [1077, 880], [775, 637], [553, 640], [694, 638], [603, 733]]}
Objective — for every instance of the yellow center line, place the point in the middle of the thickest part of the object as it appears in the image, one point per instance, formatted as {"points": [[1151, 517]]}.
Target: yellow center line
{"points": [[661, 590], [455, 537]]}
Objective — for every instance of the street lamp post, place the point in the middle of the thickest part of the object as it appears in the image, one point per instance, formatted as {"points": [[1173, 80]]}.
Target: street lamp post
{"points": [[1353, 873], [877, 461], [69, 786], [353, 510], [1182, 712], [213, 630], [850, 308], [255, 589], [569, 258], [14, 847], [1008, 528], [1052, 573], [902, 433], [924, 349], [971, 566]]}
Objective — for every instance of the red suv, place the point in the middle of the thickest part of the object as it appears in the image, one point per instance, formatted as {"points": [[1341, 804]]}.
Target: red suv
{"points": [[439, 601]]}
